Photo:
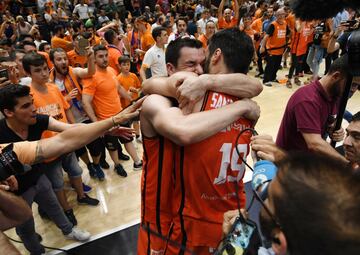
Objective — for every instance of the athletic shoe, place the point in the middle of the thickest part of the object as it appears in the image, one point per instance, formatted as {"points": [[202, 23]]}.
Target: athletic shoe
{"points": [[78, 234], [122, 156], [86, 200], [120, 170], [104, 164], [267, 84], [71, 217], [92, 170], [99, 172], [138, 166], [86, 188]]}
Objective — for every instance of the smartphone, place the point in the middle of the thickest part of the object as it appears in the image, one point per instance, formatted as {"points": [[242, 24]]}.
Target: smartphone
{"points": [[4, 73], [83, 45]]}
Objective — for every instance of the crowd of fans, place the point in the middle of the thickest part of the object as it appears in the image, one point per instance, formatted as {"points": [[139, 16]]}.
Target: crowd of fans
{"points": [[76, 57]]}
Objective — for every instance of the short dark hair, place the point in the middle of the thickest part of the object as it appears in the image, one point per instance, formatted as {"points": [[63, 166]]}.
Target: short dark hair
{"points": [[356, 117], [110, 36], [183, 18], [24, 43], [157, 32], [53, 51], [76, 25], [341, 65], [332, 226], [236, 47], [42, 46], [23, 36], [124, 59], [173, 50], [58, 28], [32, 59], [9, 95], [5, 42], [99, 47]]}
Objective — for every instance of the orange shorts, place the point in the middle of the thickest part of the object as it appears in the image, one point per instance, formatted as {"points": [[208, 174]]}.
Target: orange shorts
{"points": [[149, 243]]}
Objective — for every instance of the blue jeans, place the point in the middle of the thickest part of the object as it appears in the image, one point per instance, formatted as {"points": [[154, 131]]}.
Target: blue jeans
{"points": [[53, 170], [314, 58], [44, 196]]}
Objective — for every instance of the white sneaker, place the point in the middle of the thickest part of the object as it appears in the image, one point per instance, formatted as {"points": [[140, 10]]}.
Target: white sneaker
{"points": [[78, 234]]}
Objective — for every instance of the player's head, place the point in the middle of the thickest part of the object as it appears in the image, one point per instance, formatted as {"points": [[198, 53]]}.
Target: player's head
{"points": [[36, 67], [124, 62], [60, 60], [313, 207], [101, 56], [16, 104], [229, 49], [185, 54], [352, 140]]}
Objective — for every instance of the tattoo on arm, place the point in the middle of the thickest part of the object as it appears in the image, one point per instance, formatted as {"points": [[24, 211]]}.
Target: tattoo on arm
{"points": [[39, 154]]}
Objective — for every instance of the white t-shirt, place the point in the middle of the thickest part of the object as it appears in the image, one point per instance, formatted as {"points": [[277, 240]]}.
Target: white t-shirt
{"points": [[154, 25], [82, 10], [155, 60]]}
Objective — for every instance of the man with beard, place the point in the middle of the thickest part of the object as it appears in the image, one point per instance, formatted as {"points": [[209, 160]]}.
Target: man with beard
{"points": [[310, 113], [58, 41], [313, 207], [67, 80]]}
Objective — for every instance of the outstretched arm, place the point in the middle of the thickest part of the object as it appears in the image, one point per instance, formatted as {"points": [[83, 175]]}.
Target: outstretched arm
{"points": [[221, 8], [77, 137], [187, 129]]}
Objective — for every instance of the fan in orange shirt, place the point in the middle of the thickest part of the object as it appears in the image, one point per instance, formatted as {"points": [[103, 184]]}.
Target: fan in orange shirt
{"points": [[146, 39], [58, 41], [209, 32], [113, 39], [225, 19], [74, 57], [131, 83]]}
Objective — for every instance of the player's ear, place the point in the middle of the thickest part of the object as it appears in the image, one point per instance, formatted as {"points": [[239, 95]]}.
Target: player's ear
{"points": [[170, 68], [279, 243], [216, 56]]}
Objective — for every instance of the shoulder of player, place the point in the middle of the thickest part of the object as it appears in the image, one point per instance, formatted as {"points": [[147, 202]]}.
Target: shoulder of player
{"points": [[155, 103]]}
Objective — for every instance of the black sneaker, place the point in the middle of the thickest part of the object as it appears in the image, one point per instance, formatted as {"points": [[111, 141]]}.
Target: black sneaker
{"points": [[104, 164], [122, 156], [138, 166], [120, 170], [86, 200], [39, 237], [99, 172], [92, 170], [71, 217]]}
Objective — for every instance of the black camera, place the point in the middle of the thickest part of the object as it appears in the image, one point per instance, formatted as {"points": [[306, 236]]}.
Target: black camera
{"points": [[9, 163]]}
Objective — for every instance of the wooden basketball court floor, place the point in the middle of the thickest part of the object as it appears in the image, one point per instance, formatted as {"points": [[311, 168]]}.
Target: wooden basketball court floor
{"points": [[120, 197]]}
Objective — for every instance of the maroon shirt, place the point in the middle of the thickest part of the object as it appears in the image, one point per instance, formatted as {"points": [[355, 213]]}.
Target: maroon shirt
{"points": [[309, 110]]}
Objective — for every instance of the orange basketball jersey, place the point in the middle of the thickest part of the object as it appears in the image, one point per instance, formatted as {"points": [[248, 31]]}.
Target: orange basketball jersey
{"points": [[208, 176]]}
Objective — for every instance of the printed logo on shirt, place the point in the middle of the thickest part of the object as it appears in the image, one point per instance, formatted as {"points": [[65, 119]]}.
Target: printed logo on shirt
{"points": [[281, 33], [54, 110]]}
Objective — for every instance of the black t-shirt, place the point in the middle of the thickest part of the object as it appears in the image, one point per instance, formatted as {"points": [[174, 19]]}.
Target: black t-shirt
{"points": [[35, 131]]}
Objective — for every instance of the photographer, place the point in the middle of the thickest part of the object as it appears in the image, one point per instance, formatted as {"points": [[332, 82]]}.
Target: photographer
{"points": [[288, 218]]}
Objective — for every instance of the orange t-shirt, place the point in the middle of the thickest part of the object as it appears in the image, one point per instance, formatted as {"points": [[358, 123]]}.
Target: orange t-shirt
{"points": [[51, 103], [76, 60], [114, 54], [257, 25], [57, 42], [147, 41], [127, 82], [222, 23], [207, 174], [202, 38], [103, 88]]}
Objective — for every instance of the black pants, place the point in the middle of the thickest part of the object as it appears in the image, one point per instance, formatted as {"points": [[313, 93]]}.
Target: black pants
{"points": [[260, 62], [272, 66], [296, 65]]}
